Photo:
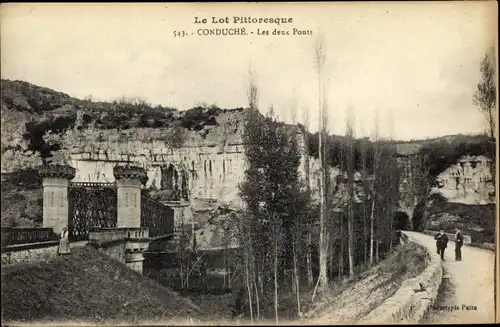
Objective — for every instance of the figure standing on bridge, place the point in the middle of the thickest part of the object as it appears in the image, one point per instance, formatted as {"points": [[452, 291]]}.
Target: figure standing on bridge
{"points": [[441, 242], [64, 247], [459, 241]]}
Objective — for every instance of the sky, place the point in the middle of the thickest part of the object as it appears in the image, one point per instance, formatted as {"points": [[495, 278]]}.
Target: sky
{"points": [[413, 65]]}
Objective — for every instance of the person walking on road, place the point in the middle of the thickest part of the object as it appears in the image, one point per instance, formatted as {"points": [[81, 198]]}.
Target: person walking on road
{"points": [[441, 242], [459, 241]]}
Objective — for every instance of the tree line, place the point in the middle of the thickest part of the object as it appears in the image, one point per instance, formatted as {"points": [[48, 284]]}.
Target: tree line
{"points": [[296, 245], [293, 241]]}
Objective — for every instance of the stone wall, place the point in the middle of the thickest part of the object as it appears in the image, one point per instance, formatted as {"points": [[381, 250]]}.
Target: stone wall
{"points": [[125, 244], [413, 298], [114, 250], [24, 253], [451, 237], [112, 241], [485, 246], [467, 241]]}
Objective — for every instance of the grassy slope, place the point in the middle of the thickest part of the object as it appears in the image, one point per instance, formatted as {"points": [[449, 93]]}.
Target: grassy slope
{"points": [[87, 287], [351, 300]]}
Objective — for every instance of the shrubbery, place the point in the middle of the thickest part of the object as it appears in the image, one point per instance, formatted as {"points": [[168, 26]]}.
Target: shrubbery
{"points": [[196, 118], [334, 150], [439, 156], [35, 132]]}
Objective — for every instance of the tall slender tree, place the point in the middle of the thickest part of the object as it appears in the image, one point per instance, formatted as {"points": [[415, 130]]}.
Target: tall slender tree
{"points": [[485, 96], [350, 187], [342, 168], [309, 244], [485, 99], [376, 163], [364, 179], [297, 225], [322, 282]]}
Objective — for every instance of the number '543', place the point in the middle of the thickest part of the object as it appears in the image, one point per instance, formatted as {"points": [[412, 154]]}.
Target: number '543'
{"points": [[180, 34]]}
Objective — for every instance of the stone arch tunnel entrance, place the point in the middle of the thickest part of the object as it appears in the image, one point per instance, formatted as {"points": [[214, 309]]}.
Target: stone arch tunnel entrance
{"points": [[401, 221]]}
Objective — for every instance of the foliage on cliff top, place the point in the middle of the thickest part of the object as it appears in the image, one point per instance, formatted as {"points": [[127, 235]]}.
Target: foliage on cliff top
{"points": [[89, 287], [121, 114], [35, 110], [438, 153], [30, 112], [334, 145], [438, 156]]}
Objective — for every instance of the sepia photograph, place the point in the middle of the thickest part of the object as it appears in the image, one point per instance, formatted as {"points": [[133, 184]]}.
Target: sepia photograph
{"points": [[322, 163]]}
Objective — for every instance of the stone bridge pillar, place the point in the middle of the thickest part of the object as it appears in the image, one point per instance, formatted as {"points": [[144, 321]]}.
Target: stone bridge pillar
{"points": [[56, 180], [129, 181], [182, 212]]}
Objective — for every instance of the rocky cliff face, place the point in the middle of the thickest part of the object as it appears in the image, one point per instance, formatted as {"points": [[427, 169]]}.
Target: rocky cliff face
{"points": [[200, 150], [468, 182], [208, 170]]}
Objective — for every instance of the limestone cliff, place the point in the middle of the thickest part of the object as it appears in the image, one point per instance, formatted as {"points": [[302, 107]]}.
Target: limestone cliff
{"points": [[209, 171], [199, 150], [468, 182]]}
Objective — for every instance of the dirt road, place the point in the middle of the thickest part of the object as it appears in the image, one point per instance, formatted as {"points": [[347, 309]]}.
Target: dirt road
{"points": [[467, 293]]}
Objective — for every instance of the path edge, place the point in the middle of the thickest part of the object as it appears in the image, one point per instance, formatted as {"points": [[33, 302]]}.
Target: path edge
{"points": [[415, 296]]}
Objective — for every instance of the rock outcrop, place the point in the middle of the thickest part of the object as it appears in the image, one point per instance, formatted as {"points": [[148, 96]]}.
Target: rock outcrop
{"points": [[468, 182], [199, 151]]}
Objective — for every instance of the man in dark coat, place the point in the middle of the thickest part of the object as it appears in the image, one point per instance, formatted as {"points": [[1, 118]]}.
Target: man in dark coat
{"points": [[459, 241], [441, 242]]}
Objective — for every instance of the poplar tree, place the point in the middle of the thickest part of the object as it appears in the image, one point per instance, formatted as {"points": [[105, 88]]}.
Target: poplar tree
{"points": [[275, 202]]}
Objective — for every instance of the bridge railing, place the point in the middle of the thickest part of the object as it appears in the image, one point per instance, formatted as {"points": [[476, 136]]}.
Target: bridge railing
{"points": [[91, 205], [107, 234], [93, 184], [14, 236], [158, 217]]}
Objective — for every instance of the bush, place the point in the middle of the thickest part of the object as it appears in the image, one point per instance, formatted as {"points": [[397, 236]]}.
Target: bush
{"points": [[35, 132], [334, 150], [440, 155], [196, 118]]}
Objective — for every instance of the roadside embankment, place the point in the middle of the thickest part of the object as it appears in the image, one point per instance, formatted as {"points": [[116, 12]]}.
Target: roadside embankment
{"points": [[414, 297], [350, 300]]}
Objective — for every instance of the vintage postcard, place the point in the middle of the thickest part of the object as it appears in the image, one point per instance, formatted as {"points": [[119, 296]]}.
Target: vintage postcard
{"points": [[249, 163]]}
